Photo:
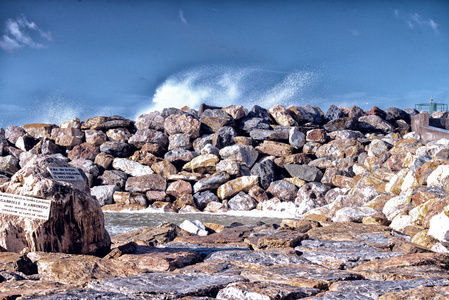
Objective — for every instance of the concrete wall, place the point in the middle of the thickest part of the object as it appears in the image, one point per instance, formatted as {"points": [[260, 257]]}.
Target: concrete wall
{"points": [[430, 129]]}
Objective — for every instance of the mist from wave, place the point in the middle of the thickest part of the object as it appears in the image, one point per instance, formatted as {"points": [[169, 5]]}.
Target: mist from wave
{"points": [[227, 85]]}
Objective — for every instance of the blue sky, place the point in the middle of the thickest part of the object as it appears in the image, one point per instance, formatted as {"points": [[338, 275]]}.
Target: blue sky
{"points": [[65, 58]]}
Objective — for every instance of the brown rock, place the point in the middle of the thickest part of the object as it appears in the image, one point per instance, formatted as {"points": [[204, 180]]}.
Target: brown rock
{"points": [[298, 225], [340, 149], [164, 168], [235, 111], [405, 267], [104, 160], [179, 188], [258, 193], [424, 292], [426, 169], [150, 182], [343, 181], [148, 136], [182, 124], [275, 148], [395, 162], [282, 116], [184, 200], [15, 262], [75, 224], [128, 198], [119, 135], [237, 185], [316, 136], [162, 234], [144, 158], [105, 123], [95, 137], [297, 158], [278, 239], [39, 130], [376, 111], [205, 163], [84, 151], [67, 137]]}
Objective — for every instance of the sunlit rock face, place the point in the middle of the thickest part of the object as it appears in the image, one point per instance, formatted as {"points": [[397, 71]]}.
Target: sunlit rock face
{"points": [[75, 224]]}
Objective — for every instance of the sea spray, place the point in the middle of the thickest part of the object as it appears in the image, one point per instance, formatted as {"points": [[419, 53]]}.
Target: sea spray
{"points": [[226, 85]]}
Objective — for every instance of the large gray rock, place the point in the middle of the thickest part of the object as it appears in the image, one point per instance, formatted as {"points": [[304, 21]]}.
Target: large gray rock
{"points": [[202, 199], [375, 288], [214, 119], [266, 171], [153, 120], [283, 190], [304, 172], [224, 137], [211, 182], [150, 182], [113, 177], [375, 123], [242, 201], [259, 258], [116, 149], [248, 124], [182, 123], [144, 136], [75, 224], [166, 286], [242, 153], [296, 138]]}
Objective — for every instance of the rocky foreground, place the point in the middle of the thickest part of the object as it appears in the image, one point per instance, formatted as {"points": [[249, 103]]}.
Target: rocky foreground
{"points": [[369, 199]]}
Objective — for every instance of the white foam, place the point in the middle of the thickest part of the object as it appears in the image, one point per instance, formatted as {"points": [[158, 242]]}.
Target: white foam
{"points": [[226, 85]]}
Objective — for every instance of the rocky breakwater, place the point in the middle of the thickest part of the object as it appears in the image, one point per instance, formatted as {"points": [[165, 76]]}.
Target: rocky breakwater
{"points": [[370, 196]]}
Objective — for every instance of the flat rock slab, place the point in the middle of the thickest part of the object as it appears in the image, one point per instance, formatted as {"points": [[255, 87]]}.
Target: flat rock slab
{"points": [[88, 294], [347, 231], [264, 290], [339, 296], [31, 288], [405, 267], [275, 239], [202, 249], [300, 275], [258, 258], [424, 292], [340, 254], [167, 286], [375, 289]]}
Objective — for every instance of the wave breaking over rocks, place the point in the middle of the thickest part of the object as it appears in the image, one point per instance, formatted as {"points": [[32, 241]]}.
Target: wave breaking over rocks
{"points": [[367, 199]]}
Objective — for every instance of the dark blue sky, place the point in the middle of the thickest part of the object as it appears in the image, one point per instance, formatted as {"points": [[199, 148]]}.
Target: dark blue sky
{"points": [[64, 58]]}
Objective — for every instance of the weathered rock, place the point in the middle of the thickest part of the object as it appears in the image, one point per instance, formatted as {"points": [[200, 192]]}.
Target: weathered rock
{"points": [[264, 290], [149, 182], [202, 199], [105, 123], [241, 153], [9, 165], [118, 135], [211, 182], [375, 123], [237, 185], [316, 136], [179, 155], [116, 149], [160, 285], [242, 201], [265, 170], [179, 141], [148, 136], [84, 151], [311, 195], [126, 198], [182, 124], [275, 148], [214, 119], [281, 116], [340, 149], [247, 124], [334, 112], [265, 134], [235, 111], [202, 164], [224, 137], [131, 167], [113, 177], [153, 120], [179, 188], [305, 172], [104, 193], [12, 133], [75, 225], [95, 137], [283, 190]]}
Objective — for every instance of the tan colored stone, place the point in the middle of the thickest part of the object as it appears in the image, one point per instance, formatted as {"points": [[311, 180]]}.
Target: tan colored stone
{"points": [[235, 111], [296, 181], [233, 187], [299, 225], [343, 181], [243, 140], [275, 148], [39, 130], [258, 193], [424, 292], [104, 160], [182, 124], [405, 146], [281, 115], [424, 240], [164, 168], [205, 163], [144, 158]]}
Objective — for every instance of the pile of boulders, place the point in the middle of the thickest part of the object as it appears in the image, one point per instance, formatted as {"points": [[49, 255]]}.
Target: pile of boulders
{"points": [[343, 165]]}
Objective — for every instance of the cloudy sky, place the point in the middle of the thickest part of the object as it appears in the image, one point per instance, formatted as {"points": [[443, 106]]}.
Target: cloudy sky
{"points": [[67, 58]]}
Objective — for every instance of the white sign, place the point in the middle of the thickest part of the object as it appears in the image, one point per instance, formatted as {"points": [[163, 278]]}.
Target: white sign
{"points": [[67, 174], [25, 206]]}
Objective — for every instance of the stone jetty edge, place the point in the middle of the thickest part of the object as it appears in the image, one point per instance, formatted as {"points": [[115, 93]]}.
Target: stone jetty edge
{"points": [[367, 199]]}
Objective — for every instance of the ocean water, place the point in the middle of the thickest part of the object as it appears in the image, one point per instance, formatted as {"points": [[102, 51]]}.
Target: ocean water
{"points": [[120, 222]]}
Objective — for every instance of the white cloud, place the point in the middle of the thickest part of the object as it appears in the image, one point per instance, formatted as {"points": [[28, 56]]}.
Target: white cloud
{"points": [[20, 33], [181, 16], [416, 21]]}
